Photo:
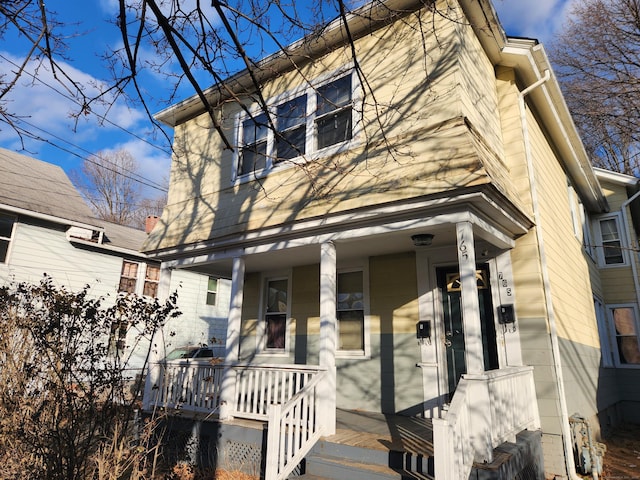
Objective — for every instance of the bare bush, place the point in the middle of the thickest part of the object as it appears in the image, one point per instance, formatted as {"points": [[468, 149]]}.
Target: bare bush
{"points": [[64, 400]]}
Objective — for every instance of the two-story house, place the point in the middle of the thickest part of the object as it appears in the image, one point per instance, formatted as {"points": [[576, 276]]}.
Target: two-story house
{"points": [[401, 229], [47, 228]]}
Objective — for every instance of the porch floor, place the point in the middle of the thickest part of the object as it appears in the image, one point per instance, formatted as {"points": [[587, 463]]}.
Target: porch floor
{"points": [[379, 431]]}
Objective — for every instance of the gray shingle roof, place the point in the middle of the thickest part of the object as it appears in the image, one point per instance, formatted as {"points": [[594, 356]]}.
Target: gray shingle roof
{"points": [[44, 188], [40, 187]]}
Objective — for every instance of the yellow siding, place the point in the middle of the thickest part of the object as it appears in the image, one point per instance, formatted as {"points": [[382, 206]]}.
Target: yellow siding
{"points": [[418, 101], [394, 298], [568, 272]]}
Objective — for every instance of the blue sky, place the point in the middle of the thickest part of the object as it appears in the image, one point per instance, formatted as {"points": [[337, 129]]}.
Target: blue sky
{"points": [[47, 110]]}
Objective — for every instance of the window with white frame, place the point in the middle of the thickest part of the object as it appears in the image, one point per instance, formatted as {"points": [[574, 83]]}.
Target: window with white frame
{"points": [[275, 315], [132, 276], [6, 232], [128, 277], [151, 281], [624, 334], [212, 291], [311, 120], [611, 250], [350, 312]]}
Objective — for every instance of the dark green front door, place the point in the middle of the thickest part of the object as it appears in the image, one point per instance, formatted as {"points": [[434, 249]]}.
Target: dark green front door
{"points": [[450, 292]]}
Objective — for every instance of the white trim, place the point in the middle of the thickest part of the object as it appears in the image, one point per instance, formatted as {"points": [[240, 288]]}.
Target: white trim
{"points": [[606, 347], [483, 230], [599, 248], [311, 151], [366, 352]]}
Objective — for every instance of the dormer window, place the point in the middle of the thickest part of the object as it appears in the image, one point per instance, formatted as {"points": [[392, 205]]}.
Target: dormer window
{"points": [[308, 122]]}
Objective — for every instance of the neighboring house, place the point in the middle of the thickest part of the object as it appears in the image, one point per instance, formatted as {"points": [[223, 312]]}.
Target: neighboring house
{"points": [[613, 245], [46, 227], [412, 238]]}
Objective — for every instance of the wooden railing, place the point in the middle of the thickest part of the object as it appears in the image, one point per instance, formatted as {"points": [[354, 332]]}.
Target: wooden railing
{"points": [[196, 386], [486, 411], [293, 430], [259, 386]]}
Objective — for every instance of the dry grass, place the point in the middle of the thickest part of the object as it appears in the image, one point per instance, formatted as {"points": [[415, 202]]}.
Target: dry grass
{"points": [[622, 459]]}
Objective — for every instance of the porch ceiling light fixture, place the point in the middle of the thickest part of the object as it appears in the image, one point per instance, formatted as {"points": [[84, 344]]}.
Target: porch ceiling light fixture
{"points": [[422, 239]]}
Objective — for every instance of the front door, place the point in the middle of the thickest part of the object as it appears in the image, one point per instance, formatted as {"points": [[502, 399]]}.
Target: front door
{"points": [[450, 292]]}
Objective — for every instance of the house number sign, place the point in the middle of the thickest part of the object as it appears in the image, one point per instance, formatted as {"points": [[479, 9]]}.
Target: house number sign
{"points": [[504, 284]]}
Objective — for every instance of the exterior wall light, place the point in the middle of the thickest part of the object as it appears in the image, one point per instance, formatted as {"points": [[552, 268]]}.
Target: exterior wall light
{"points": [[422, 239]]}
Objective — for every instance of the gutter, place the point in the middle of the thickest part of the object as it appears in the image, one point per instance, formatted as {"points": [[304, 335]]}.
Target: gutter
{"points": [[110, 248], [50, 218]]}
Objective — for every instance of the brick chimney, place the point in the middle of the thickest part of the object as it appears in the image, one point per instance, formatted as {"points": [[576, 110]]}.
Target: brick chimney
{"points": [[150, 222]]}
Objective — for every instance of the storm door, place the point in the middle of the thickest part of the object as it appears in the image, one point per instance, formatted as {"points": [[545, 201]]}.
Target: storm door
{"points": [[450, 292]]}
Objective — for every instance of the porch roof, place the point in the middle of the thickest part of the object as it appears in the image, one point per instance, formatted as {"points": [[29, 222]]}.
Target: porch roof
{"points": [[375, 230]]}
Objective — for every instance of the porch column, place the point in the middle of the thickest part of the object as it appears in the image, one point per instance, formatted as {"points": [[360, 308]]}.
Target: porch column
{"points": [[156, 349], [234, 323], [328, 331], [480, 415], [474, 357]]}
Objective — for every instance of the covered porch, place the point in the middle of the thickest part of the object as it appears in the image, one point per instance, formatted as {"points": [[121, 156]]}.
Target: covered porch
{"points": [[476, 403]]}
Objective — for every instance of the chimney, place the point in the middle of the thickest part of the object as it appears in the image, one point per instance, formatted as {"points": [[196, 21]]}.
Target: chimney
{"points": [[149, 223]]}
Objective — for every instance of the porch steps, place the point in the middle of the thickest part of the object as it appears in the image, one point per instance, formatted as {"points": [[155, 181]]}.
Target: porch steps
{"points": [[333, 461], [370, 446]]}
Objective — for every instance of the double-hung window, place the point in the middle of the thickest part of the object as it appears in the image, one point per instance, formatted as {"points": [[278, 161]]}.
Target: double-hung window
{"points": [[151, 281], [6, 232], [291, 137], [253, 157], [308, 121], [334, 119], [128, 277], [350, 312], [212, 291], [275, 315], [611, 241], [625, 336]]}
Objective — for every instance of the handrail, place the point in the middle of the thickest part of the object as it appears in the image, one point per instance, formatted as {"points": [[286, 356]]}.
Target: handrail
{"points": [[293, 430], [486, 410]]}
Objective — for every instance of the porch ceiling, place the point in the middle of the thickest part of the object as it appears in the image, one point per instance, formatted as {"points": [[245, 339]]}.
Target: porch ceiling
{"points": [[374, 232]]}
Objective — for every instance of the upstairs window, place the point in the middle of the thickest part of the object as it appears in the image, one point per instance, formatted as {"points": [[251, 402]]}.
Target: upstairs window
{"points": [[6, 233], [611, 242], [316, 118], [292, 129], [254, 145], [333, 113]]}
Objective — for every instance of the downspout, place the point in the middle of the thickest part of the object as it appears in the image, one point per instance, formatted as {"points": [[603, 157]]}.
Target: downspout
{"points": [[555, 348]]}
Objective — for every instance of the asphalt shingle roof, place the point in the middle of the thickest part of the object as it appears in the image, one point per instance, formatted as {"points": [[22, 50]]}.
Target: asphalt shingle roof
{"points": [[44, 188]]}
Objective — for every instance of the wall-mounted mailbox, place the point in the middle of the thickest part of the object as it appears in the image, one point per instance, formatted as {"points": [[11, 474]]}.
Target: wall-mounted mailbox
{"points": [[424, 329], [506, 314]]}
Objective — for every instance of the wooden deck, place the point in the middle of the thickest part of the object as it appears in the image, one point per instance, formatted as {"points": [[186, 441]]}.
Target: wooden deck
{"points": [[378, 431]]}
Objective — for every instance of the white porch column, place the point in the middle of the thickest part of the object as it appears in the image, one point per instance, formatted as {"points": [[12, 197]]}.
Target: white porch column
{"points": [[156, 349], [328, 331], [480, 420], [227, 393], [470, 307]]}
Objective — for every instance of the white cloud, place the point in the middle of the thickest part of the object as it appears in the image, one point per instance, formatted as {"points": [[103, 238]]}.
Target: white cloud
{"points": [[540, 19]]}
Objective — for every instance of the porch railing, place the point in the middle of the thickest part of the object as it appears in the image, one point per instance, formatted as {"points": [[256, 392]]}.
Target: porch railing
{"points": [[196, 387], [294, 428], [486, 410]]}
